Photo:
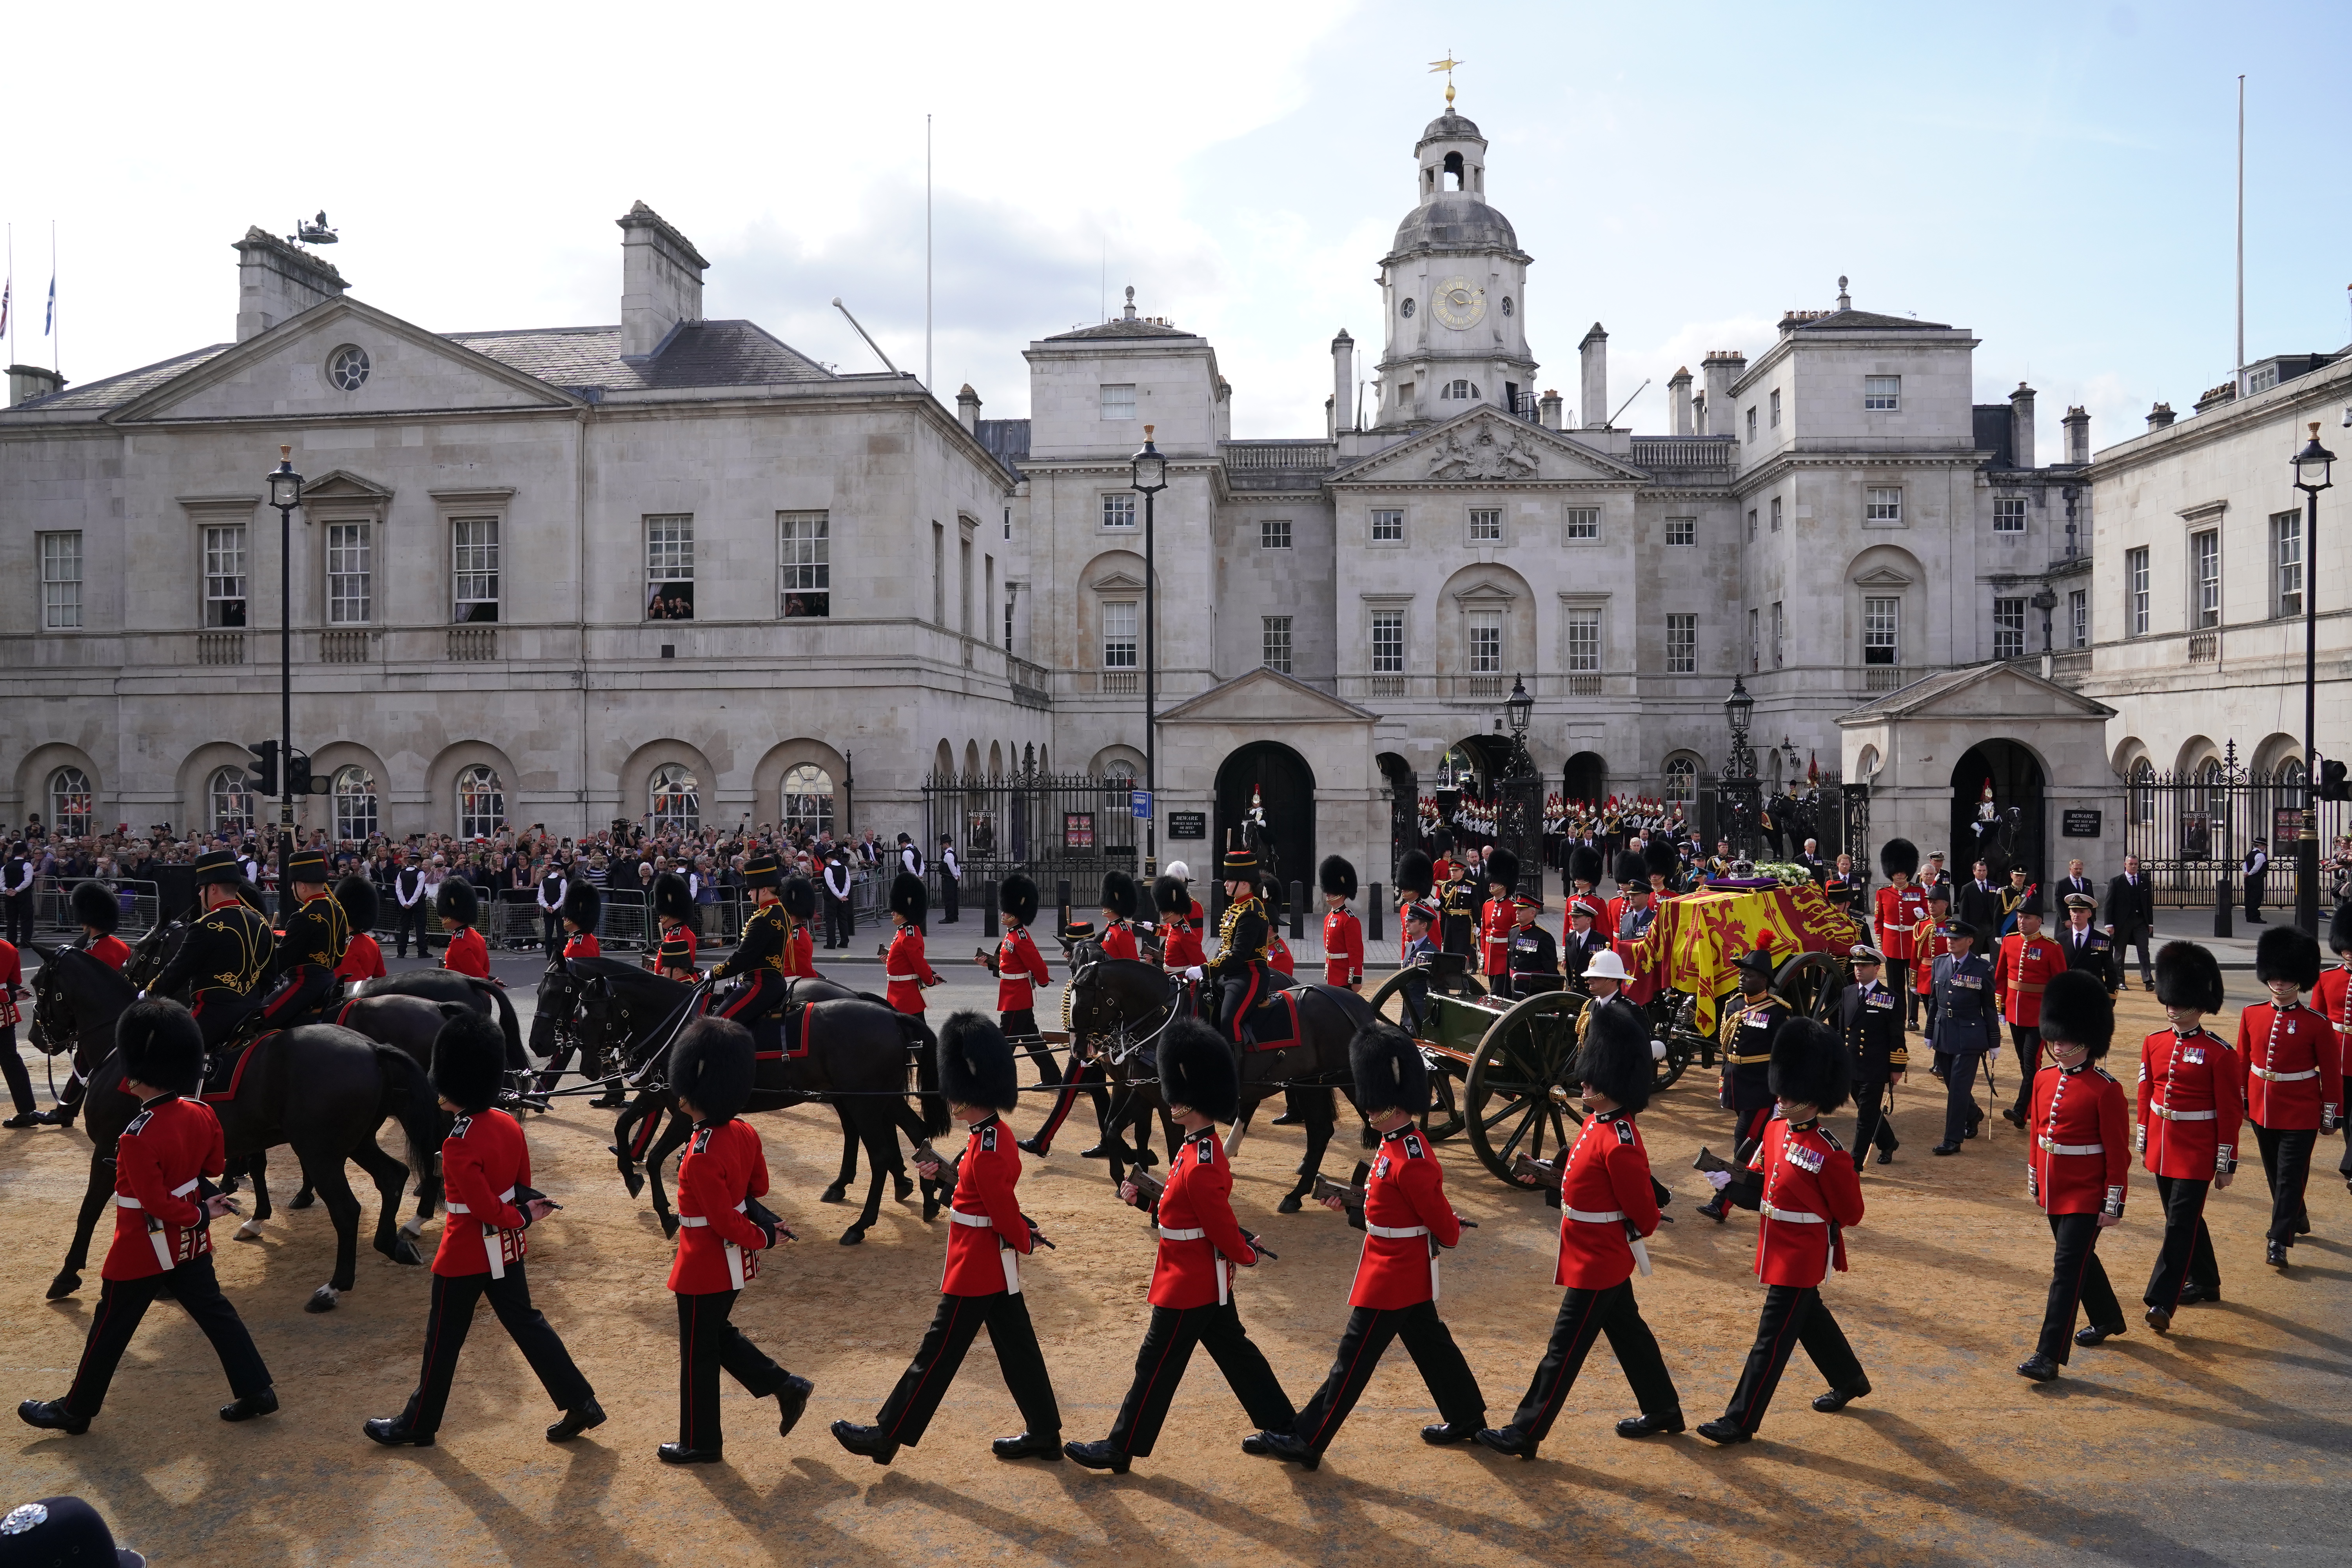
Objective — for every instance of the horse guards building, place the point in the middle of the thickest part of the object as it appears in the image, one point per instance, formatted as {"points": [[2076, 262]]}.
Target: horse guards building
{"points": [[673, 569]]}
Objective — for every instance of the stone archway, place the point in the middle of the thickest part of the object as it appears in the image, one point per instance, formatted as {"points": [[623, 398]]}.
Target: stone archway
{"points": [[2018, 780], [1586, 777], [1284, 784]]}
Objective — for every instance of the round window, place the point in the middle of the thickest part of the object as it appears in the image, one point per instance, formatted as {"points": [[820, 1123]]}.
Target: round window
{"points": [[1507, 304], [347, 367], [1405, 309]]}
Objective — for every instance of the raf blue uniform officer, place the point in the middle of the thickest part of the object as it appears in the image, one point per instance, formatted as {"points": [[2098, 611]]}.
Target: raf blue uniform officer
{"points": [[1965, 1027]]}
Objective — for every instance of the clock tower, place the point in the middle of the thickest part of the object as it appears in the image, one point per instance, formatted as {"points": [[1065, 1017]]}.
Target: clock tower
{"points": [[1455, 287]]}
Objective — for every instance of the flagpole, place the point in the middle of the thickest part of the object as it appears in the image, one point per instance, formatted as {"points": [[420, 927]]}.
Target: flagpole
{"points": [[57, 338]]}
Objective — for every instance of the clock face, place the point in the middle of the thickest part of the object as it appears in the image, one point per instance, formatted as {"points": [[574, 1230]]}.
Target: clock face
{"points": [[1460, 303]]}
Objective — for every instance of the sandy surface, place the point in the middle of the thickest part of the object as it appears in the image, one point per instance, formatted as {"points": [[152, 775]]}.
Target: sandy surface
{"points": [[2225, 1443]]}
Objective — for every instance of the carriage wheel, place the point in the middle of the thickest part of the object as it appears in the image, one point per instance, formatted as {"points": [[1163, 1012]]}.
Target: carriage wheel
{"points": [[1516, 1101], [1809, 982], [1442, 1119], [1670, 1028]]}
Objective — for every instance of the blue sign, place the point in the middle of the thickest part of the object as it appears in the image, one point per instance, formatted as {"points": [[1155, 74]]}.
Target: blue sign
{"points": [[1141, 800]]}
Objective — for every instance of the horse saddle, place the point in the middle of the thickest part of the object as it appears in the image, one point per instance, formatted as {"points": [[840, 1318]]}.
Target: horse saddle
{"points": [[225, 1069], [788, 1033], [1272, 1022]]}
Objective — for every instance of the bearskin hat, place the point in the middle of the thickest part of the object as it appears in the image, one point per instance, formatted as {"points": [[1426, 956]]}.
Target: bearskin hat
{"points": [[1442, 840], [1389, 1071], [1335, 876], [458, 901], [1503, 868], [95, 905], [161, 1044], [976, 1064], [1810, 1066], [1585, 864], [2077, 1011], [1197, 1069], [672, 898], [1118, 894], [2339, 928], [583, 906], [1017, 895], [1632, 870], [1169, 896], [1616, 1056], [711, 1065], [1415, 873], [799, 899], [1899, 856], [2187, 975], [1660, 859], [469, 1062], [2287, 953], [908, 897], [360, 906]]}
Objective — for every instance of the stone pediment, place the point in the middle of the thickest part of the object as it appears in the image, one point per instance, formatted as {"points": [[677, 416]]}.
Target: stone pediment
{"points": [[1265, 698], [1882, 577], [285, 373], [1118, 582], [344, 486], [1486, 448], [2007, 691]]}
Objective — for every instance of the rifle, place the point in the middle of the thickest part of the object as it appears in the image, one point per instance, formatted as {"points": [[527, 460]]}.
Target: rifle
{"points": [[1351, 1196], [1543, 1173], [926, 1154]]}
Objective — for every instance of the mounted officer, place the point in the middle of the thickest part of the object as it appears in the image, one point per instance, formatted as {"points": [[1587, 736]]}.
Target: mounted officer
{"points": [[759, 956], [316, 932], [1242, 937], [224, 954]]}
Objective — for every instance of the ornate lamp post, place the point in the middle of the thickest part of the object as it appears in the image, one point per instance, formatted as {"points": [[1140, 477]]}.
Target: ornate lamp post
{"points": [[1738, 788], [1518, 792], [286, 494], [2311, 476], [1150, 478]]}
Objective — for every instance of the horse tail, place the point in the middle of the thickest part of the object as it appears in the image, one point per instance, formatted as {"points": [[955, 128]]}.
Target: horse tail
{"points": [[917, 1032], [517, 1058], [409, 1097]]}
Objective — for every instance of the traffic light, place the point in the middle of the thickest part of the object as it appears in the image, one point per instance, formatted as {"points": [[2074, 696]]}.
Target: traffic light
{"points": [[298, 773], [2332, 782], [265, 767]]}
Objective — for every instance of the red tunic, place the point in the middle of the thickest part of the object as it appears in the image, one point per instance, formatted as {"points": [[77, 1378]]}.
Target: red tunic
{"points": [[583, 945], [1277, 951], [1928, 944], [693, 945], [1495, 921], [1900, 911], [1180, 946], [1019, 970], [1606, 1187], [906, 969], [800, 953], [467, 953], [2290, 1068], [1343, 949], [362, 958], [1810, 1184], [1404, 1210], [1200, 1241], [111, 950], [2078, 1160], [988, 1232], [2333, 997], [483, 1160], [169, 1144], [12, 983], [2025, 965], [1119, 941], [717, 1247], [2190, 1104]]}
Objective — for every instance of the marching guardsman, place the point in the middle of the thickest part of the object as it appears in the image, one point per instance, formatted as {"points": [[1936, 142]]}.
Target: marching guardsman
{"points": [[582, 907], [981, 1286], [1180, 924], [1496, 920], [1662, 864], [1416, 880], [674, 960], [2333, 998], [1457, 906], [1584, 872], [1119, 902], [164, 1163], [799, 904], [362, 956], [1870, 1023], [2191, 1101], [1533, 955], [222, 959], [2029, 961], [97, 911], [1020, 969], [2087, 946], [673, 900], [485, 1169], [723, 1230], [759, 955], [1407, 1222], [1901, 907], [2292, 1076], [903, 964], [2077, 1165], [1608, 1206], [1964, 1026], [310, 942], [1343, 934], [1242, 937], [1585, 940], [1812, 1196], [1748, 1033], [460, 906], [1200, 1245]]}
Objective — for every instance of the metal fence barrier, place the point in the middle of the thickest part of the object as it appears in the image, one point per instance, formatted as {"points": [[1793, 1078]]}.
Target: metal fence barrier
{"points": [[53, 919]]}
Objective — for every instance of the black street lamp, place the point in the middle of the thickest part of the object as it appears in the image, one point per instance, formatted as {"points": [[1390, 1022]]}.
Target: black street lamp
{"points": [[285, 494], [2311, 476], [2045, 600], [1521, 708], [1738, 785], [1150, 478]]}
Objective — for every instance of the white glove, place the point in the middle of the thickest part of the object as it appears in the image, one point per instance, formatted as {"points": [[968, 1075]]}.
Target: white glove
{"points": [[1719, 1180], [1195, 974]]}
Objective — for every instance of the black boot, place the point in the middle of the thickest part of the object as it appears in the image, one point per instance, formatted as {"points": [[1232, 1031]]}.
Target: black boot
{"points": [[576, 1420], [1098, 1457], [791, 1401], [250, 1405], [51, 1416], [865, 1440]]}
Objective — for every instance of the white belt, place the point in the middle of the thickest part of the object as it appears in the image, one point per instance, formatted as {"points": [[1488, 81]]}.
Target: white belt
{"points": [[2071, 1148], [1218, 1258], [901, 979], [1391, 1233], [1793, 1216], [1168, 1235], [504, 1197], [490, 1248], [2171, 1115], [1010, 1260], [734, 1253], [2269, 1076], [1590, 1218], [156, 1232]]}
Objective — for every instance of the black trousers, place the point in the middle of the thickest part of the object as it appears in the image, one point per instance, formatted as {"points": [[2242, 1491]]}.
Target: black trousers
{"points": [[950, 889], [550, 930], [454, 1299], [2187, 1252], [2134, 937], [2344, 1166], [2254, 896], [1898, 980], [838, 923], [122, 1302], [1455, 933], [1426, 1340], [1871, 1124], [17, 908], [1084, 1076], [298, 996], [404, 920], [2286, 1163], [1168, 1350], [1793, 1315], [218, 1013], [707, 1343], [909, 1411], [1960, 1093], [2077, 1279], [1585, 1316], [20, 1082], [2027, 1043]]}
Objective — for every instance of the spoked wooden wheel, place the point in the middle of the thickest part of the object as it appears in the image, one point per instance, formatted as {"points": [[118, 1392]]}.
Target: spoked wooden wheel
{"points": [[1671, 1022], [1810, 982], [1518, 1098]]}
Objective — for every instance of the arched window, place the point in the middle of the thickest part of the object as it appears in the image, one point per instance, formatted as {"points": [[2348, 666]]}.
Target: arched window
{"points": [[808, 799], [482, 802], [70, 802], [355, 804], [1460, 391], [2143, 790], [1119, 768], [228, 801], [1682, 780], [676, 798]]}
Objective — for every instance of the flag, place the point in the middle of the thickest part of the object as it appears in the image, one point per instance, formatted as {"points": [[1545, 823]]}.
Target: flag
{"points": [[52, 318], [8, 293]]}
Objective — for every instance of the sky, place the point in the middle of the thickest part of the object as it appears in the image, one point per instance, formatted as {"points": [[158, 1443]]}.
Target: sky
{"points": [[2059, 179]]}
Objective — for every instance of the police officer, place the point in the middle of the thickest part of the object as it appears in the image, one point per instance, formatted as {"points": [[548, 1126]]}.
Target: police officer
{"points": [[311, 940], [1967, 1027], [1870, 1021], [222, 959], [1748, 1032], [950, 879]]}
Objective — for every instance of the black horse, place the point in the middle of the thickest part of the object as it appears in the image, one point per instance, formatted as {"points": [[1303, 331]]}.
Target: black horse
{"points": [[322, 1088], [1119, 1008], [857, 1059], [484, 996]]}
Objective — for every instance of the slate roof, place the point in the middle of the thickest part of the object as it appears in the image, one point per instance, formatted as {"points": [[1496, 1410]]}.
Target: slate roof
{"points": [[696, 353], [98, 396], [1120, 327], [1859, 320], [1007, 441]]}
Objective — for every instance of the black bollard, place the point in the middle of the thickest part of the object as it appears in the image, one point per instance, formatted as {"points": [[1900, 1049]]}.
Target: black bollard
{"points": [[2221, 905], [1372, 908], [1062, 899], [988, 922], [1298, 911]]}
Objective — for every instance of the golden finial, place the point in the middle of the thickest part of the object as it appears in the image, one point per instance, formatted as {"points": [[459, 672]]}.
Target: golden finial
{"points": [[1446, 65]]}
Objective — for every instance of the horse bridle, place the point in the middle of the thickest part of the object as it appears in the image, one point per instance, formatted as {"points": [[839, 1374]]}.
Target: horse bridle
{"points": [[1121, 1042]]}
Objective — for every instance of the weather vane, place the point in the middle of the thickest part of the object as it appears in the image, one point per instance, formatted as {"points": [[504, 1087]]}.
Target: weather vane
{"points": [[1446, 65]]}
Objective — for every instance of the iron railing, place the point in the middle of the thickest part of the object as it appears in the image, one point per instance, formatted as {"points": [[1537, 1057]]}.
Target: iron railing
{"points": [[1051, 827], [2193, 830]]}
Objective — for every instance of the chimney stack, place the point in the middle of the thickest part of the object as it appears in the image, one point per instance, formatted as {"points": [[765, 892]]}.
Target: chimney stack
{"points": [[968, 409], [1551, 409], [2078, 434], [2020, 427], [661, 281], [1721, 367], [2160, 416], [276, 280], [1678, 400], [27, 381], [1595, 350], [1343, 381]]}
